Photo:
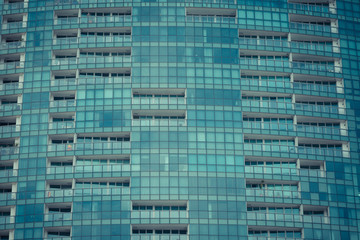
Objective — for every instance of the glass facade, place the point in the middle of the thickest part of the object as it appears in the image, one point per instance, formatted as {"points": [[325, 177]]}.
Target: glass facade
{"points": [[179, 119]]}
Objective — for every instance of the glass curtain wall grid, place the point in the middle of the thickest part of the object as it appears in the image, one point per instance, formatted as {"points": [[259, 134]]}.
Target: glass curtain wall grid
{"points": [[181, 119]]}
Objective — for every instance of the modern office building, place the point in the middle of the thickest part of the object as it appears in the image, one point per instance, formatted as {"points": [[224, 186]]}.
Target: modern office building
{"points": [[179, 119]]}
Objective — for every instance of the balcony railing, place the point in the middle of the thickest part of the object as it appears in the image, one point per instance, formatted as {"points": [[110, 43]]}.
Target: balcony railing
{"points": [[312, 27], [8, 150], [63, 103], [68, 20], [319, 108], [102, 60], [316, 67], [90, 80], [158, 100], [58, 216], [89, 169], [10, 86], [159, 122], [103, 80], [272, 193], [287, 64], [13, 25], [311, 8], [8, 173], [285, 44], [272, 238], [293, 127], [92, 39], [317, 87], [264, 62], [89, 146], [65, 61], [284, 171], [11, 65], [57, 238], [322, 151], [146, 214], [92, 60], [61, 125], [105, 19], [321, 130], [278, 217], [93, 19], [14, 6], [118, 190], [159, 237], [7, 196], [212, 1], [211, 19], [261, 148], [7, 219], [11, 45], [293, 106], [64, 82], [9, 129], [289, 85], [10, 107]]}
